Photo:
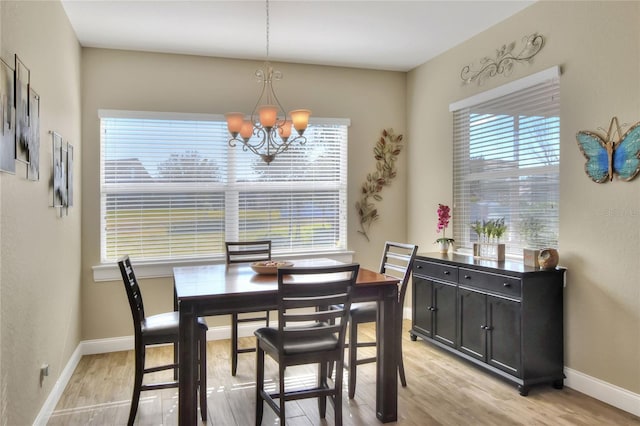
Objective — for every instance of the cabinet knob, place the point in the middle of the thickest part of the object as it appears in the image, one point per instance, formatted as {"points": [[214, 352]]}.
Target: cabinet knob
{"points": [[418, 266], [483, 327], [506, 284], [467, 277], [447, 272]]}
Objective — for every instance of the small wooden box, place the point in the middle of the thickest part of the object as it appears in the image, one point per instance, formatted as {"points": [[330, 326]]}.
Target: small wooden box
{"points": [[530, 257], [490, 251]]}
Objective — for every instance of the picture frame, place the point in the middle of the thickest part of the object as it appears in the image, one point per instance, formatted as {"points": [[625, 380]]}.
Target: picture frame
{"points": [[63, 184], [57, 170], [33, 172], [8, 117], [69, 175], [22, 82]]}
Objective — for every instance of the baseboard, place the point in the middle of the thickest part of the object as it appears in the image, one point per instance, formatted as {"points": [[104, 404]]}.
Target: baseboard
{"points": [[58, 389], [596, 388], [603, 391]]}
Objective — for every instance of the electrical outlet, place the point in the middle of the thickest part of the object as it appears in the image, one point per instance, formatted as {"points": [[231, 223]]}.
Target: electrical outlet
{"points": [[44, 372]]}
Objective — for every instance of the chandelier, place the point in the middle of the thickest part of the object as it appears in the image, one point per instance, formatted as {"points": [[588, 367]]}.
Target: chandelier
{"points": [[267, 132]]}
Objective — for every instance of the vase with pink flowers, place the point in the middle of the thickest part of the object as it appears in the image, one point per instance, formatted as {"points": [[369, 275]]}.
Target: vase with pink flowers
{"points": [[444, 216]]}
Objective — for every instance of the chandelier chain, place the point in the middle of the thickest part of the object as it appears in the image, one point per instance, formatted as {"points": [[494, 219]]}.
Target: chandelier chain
{"points": [[267, 28]]}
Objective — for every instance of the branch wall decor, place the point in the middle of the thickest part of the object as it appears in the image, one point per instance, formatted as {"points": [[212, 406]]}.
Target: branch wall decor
{"points": [[504, 61], [386, 153]]}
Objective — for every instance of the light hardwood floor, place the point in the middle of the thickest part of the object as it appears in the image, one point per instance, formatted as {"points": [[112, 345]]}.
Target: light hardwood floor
{"points": [[442, 390]]}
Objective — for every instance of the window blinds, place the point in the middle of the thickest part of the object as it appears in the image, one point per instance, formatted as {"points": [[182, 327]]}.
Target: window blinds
{"points": [[506, 165], [171, 187]]}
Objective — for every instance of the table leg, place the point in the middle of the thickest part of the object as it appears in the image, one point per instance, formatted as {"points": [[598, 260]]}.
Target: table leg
{"points": [[187, 401], [386, 366]]}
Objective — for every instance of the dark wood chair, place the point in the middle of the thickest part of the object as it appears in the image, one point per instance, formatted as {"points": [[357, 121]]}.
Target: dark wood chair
{"points": [[155, 330], [313, 310], [244, 252], [397, 261]]}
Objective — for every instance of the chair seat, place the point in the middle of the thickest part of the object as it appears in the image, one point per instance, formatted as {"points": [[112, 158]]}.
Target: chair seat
{"points": [[158, 328], [364, 311], [269, 336]]}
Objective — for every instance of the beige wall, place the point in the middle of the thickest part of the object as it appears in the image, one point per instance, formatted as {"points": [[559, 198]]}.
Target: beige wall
{"points": [[114, 79], [597, 44], [39, 251], [49, 301]]}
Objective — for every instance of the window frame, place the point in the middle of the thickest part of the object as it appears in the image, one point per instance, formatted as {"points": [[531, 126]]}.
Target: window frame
{"points": [[158, 267], [538, 174]]}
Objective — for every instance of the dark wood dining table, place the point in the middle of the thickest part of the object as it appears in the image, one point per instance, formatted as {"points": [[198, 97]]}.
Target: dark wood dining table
{"points": [[224, 289]]}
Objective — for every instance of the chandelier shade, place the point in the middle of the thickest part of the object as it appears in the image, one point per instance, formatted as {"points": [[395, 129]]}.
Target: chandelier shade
{"points": [[267, 132]]}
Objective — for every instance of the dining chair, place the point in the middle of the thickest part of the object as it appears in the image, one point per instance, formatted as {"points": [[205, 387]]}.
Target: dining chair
{"points": [[244, 252], [397, 261], [154, 330], [313, 310]]}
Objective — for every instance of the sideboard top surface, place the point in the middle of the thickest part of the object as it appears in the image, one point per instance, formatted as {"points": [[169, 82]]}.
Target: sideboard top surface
{"points": [[505, 266]]}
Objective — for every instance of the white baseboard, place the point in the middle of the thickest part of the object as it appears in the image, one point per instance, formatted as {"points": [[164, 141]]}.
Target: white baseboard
{"points": [[596, 388], [603, 391], [57, 390]]}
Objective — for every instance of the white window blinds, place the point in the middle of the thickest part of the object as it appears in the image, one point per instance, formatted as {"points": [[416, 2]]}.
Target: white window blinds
{"points": [[171, 187], [506, 163]]}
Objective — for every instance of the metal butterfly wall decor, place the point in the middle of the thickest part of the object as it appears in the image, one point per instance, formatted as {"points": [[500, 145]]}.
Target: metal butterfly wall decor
{"points": [[607, 157]]}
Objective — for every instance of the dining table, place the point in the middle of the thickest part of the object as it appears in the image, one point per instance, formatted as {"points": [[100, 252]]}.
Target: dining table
{"points": [[219, 289]]}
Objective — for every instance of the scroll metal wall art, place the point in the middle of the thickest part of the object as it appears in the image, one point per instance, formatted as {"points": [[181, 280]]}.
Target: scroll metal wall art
{"points": [[607, 157], [62, 173], [505, 59]]}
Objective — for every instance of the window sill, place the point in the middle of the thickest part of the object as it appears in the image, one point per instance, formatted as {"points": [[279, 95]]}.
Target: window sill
{"points": [[164, 269]]}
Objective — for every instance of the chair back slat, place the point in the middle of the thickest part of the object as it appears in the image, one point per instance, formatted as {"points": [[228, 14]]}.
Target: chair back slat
{"points": [[247, 251], [322, 316], [313, 332], [133, 291], [326, 290], [324, 300], [397, 261]]}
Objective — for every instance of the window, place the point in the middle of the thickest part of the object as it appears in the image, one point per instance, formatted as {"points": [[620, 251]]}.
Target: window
{"points": [[172, 188], [506, 162]]}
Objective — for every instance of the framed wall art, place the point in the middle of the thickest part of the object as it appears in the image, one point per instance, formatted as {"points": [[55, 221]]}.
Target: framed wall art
{"points": [[22, 81], [8, 117], [34, 135], [63, 184], [57, 168], [69, 175]]}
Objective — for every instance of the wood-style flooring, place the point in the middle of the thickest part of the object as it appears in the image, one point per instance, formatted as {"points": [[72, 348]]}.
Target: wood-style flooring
{"points": [[442, 390]]}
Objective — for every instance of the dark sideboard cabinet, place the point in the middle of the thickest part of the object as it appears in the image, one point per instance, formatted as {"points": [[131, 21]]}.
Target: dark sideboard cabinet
{"points": [[502, 316]]}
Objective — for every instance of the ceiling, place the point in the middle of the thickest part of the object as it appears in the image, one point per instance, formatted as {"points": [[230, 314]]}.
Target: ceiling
{"points": [[385, 35]]}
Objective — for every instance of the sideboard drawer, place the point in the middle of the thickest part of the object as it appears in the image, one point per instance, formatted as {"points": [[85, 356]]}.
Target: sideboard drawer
{"points": [[436, 271], [501, 284]]}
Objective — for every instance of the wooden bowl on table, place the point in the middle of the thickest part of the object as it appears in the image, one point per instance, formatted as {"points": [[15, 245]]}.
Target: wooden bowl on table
{"points": [[269, 267]]}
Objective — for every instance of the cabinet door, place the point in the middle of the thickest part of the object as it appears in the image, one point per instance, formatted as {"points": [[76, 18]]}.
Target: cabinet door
{"points": [[472, 314], [504, 350], [423, 305], [444, 322]]}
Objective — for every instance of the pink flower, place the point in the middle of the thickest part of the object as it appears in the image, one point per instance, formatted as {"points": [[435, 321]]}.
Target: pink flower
{"points": [[443, 217]]}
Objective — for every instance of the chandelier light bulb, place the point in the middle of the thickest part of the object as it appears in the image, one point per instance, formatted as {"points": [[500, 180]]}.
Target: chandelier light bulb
{"points": [[234, 122], [268, 116], [284, 130], [246, 130], [300, 118]]}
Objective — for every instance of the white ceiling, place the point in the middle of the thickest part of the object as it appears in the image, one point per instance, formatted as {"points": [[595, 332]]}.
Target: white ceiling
{"points": [[386, 35]]}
